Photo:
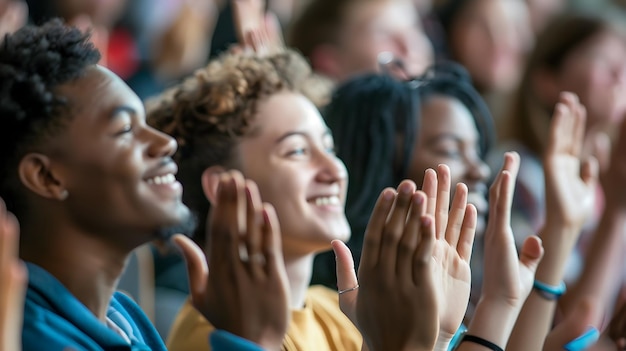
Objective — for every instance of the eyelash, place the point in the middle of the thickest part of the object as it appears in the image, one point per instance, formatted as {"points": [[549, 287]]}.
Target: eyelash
{"points": [[126, 129]]}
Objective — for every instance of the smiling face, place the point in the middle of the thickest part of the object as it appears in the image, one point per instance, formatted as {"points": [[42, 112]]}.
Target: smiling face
{"points": [[289, 154], [448, 135], [117, 170]]}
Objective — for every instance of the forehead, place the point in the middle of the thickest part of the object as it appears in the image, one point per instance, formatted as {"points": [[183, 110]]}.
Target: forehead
{"points": [[380, 12], [286, 112], [446, 115], [95, 96]]}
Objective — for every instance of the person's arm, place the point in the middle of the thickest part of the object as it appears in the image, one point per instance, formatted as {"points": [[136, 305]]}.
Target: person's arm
{"points": [[507, 278], [605, 256], [570, 189], [12, 283], [245, 254]]}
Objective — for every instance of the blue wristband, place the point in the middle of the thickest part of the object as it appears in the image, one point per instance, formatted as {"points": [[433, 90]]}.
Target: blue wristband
{"points": [[584, 341], [549, 292]]}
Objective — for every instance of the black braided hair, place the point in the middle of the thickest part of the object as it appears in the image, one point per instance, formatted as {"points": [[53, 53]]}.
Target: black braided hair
{"points": [[33, 62], [375, 121]]}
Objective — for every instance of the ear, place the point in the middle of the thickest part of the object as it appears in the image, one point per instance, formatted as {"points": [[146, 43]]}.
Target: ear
{"points": [[324, 60], [545, 84], [36, 174], [210, 181]]}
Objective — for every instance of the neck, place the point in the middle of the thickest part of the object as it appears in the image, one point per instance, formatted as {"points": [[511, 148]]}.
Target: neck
{"points": [[299, 270], [85, 264]]}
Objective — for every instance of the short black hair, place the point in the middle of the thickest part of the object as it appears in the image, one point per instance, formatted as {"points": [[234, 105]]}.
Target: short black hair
{"points": [[34, 61]]}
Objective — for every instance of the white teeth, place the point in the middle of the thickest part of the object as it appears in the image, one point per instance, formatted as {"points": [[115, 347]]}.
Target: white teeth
{"points": [[165, 179], [325, 201]]}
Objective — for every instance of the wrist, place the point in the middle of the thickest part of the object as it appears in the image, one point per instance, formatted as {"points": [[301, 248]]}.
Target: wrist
{"points": [[494, 321]]}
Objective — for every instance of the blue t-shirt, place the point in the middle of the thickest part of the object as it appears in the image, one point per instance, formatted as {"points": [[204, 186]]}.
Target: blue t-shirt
{"points": [[55, 320]]}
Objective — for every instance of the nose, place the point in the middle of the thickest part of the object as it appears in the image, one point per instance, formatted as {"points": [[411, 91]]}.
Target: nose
{"points": [[160, 144], [331, 169], [478, 171]]}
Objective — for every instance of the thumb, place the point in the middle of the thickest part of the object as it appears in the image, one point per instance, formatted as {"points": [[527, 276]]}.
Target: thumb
{"points": [[532, 252], [575, 332], [601, 150], [197, 266], [346, 275]]}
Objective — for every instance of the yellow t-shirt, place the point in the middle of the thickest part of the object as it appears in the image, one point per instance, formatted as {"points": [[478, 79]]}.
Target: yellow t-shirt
{"points": [[319, 326]]}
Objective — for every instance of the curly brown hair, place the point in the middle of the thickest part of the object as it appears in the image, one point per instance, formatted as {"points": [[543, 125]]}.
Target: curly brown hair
{"points": [[213, 109]]}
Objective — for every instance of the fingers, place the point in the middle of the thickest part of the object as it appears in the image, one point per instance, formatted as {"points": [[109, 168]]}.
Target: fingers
{"points": [[501, 192], [228, 220], [254, 224], [468, 232], [457, 213], [580, 127], [395, 227], [561, 129], [424, 253], [375, 228], [411, 236], [272, 243], [601, 151], [443, 200], [589, 171], [197, 267], [429, 187], [567, 129], [346, 275], [531, 253]]}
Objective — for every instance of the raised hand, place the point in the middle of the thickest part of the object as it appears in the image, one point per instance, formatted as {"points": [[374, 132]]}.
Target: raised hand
{"points": [[570, 190], [13, 15], [396, 305], [244, 255], [12, 284], [507, 278], [257, 29], [570, 182]]}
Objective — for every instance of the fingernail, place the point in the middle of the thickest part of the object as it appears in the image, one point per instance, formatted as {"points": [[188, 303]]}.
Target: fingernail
{"points": [[387, 195], [405, 189], [584, 341], [426, 221]]}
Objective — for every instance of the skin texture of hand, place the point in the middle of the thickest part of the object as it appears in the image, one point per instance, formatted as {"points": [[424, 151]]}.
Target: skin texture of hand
{"points": [[244, 254], [13, 15], [442, 284], [570, 190], [13, 279], [508, 278], [396, 304], [455, 229], [257, 29], [570, 182], [605, 254]]}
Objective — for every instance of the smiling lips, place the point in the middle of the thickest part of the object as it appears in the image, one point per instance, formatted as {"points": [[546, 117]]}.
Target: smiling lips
{"points": [[162, 179], [326, 201]]}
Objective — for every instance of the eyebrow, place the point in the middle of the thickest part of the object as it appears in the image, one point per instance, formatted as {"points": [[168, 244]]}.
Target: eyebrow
{"points": [[122, 109], [327, 132]]}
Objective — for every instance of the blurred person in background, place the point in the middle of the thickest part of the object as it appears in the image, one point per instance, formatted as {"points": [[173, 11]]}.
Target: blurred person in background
{"points": [[343, 38]]}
